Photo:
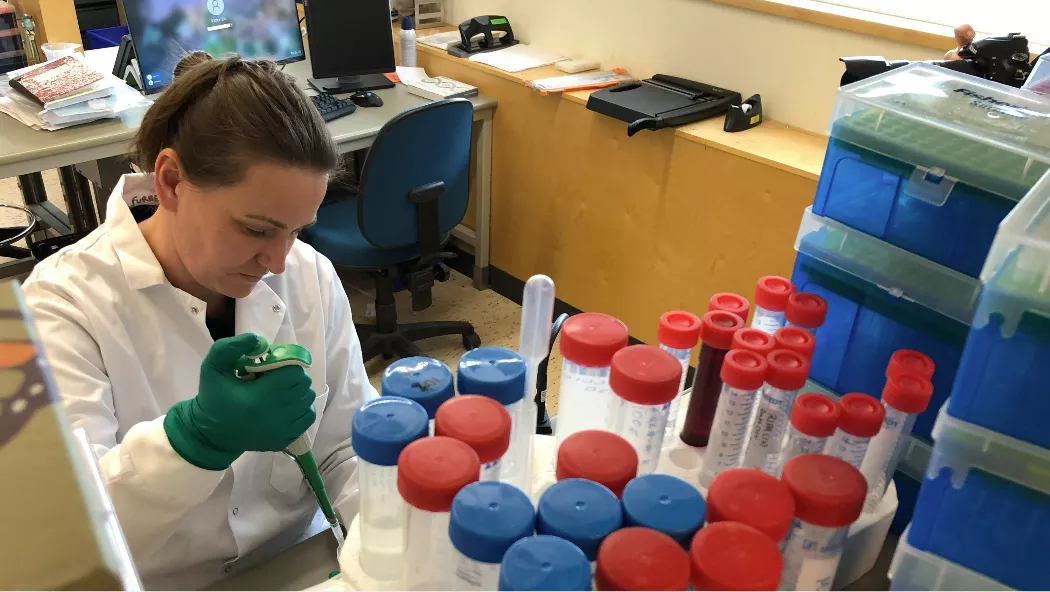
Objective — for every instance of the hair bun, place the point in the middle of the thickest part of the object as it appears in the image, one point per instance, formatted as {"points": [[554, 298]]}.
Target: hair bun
{"points": [[190, 60]]}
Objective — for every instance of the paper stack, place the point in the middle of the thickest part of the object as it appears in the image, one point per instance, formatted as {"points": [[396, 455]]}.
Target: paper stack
{"points": [[65, 92]]}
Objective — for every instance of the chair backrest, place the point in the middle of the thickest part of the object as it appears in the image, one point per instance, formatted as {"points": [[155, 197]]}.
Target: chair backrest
{"points": [[425, 144]]}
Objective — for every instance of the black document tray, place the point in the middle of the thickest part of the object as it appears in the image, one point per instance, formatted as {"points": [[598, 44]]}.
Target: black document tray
{"points": [[662, 101]]}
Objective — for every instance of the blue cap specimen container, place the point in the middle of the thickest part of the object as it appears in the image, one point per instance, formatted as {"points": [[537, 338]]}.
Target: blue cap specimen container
{"points": [[487, 517], [494, 372], [544, 562], [383, 427], [424, 380], [580, 511], [664, 503]]}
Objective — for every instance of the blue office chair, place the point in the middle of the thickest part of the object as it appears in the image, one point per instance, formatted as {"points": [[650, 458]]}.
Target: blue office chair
{"points": [[413, 192]]}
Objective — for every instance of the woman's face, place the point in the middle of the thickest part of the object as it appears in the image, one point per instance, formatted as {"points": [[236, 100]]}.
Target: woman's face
{"points": [[229, 237]]}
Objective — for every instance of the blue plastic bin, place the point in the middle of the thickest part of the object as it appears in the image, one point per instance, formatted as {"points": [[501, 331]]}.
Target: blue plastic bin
{"points": [[865, 325], [985, 504], [108, 37]]}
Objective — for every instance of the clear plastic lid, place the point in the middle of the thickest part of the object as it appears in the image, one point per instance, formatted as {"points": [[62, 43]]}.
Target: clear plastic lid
{"points": [[914, 569], [1017, 272], [953, 127]]}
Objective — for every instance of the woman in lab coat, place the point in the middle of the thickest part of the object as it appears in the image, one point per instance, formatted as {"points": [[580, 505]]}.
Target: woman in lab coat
{"points": [[143, 320]]}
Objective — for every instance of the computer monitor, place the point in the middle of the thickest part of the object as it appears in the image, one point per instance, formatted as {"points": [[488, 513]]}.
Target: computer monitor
{"points": [[166, 30], [350, 44]]}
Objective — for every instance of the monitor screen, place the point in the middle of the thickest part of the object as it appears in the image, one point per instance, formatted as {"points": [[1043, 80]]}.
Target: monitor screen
{"points": [[349, 37], [166, 30]]}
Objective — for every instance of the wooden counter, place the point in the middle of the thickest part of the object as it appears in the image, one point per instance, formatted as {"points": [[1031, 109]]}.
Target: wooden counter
{"points": [[636, 226]]}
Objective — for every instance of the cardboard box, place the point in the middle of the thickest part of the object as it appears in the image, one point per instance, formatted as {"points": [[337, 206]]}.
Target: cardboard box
{"points": [[55, 519]]}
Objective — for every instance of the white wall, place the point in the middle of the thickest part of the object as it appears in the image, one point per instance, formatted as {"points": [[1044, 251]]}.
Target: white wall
{"points": [[793, 64]]}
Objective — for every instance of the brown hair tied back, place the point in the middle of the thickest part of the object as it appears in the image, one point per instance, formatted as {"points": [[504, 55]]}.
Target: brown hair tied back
{"points": [[222, 116]]}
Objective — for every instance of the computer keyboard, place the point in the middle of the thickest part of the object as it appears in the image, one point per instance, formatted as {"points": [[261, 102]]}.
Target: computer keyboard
{"points": [[331, 107]]}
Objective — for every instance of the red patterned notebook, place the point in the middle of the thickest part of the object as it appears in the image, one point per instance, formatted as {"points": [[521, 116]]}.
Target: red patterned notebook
{"points": [[56, 80]]}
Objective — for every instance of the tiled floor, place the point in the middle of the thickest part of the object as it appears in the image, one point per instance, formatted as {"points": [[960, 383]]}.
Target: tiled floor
{"points": [[495, 318]]}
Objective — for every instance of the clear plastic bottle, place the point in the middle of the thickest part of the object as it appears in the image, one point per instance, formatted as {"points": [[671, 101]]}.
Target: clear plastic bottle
{"points": [[786, 376], [485, 520], [734, 556], [407, 42], [909, 361], [424, 380], [829, 497], [743, 373], [430, 472], [716, 338], [382, 428], [637, 558], [751, 497], [599, 456], [664, 503], [544, 562], [678, 334], [730, 302], [904, 398], [481, 423], [814, 419], [499, 373], [581, 512], [860, 418], [645, 380], [754, 340], [797, 340], [806, 311], [587, 344], [771, 300]]}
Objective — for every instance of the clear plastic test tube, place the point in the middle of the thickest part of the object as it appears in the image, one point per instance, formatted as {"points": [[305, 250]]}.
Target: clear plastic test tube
{"points": [[599, 456], [751, 497], [485, 520], [806, 311], [424, 380], [544, 562], [581, 512], [829, 497], [909, 361], [537, 312], [664, 503], [716, 338], [734, 556], [645, 380], [743, 373], [481, 423], [795, 339], [636, 558], [587, 344], [730, 302], [771, 300], [430, 472], [814, 419], [860, 418], [678, 334], [382, 428], [786, 376], [499, 373], [904, 398]]}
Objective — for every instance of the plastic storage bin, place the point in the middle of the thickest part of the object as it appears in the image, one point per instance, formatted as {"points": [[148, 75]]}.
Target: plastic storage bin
{"points": [[985, 504], [931, 160], [1001, 383], [866, 324], [913, 569]]}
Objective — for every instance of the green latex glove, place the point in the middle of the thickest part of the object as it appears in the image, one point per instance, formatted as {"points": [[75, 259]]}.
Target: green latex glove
{"points": [[230, 416]]}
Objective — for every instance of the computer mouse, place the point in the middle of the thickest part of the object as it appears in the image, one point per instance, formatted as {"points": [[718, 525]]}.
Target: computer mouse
{"points": [[367, 99]]}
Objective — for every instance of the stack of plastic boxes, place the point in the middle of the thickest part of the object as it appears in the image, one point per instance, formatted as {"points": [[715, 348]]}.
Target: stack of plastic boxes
{"points": [[922, 166], [983, 516]]}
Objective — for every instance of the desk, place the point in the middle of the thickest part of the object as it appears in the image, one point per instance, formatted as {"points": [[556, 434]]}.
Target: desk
{"points": [[24, 151]]}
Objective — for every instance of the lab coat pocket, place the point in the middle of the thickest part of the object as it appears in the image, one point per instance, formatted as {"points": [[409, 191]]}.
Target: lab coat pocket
{"points": [[285, 475]]}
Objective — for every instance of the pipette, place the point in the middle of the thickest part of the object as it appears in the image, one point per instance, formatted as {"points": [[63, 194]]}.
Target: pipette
{"points": [[262, 359], [537, 310]]}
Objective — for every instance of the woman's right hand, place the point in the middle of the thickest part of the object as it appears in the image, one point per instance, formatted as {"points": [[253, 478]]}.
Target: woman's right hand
{"points": [[964, 35], [230, 416]]}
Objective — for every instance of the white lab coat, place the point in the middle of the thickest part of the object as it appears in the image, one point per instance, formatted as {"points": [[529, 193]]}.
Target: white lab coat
{"points": [[124, 345]]}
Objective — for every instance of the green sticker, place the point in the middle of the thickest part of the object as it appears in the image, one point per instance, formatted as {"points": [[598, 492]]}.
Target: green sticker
{"points": [[498, 21]]}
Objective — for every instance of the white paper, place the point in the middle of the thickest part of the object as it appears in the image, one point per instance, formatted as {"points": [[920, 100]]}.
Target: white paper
{"points": [[517, 58], [441, 40], [409, 75]]}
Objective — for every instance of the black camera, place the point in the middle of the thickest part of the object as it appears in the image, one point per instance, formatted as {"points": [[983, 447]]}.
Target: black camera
{"points": [[999, 59]]}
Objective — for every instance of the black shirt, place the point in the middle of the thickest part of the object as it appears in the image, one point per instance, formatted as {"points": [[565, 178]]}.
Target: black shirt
{"points": [[222, 325]]}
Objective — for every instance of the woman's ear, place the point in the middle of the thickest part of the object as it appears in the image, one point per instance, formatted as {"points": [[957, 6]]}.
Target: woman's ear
{"points": [[167, 173]]}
